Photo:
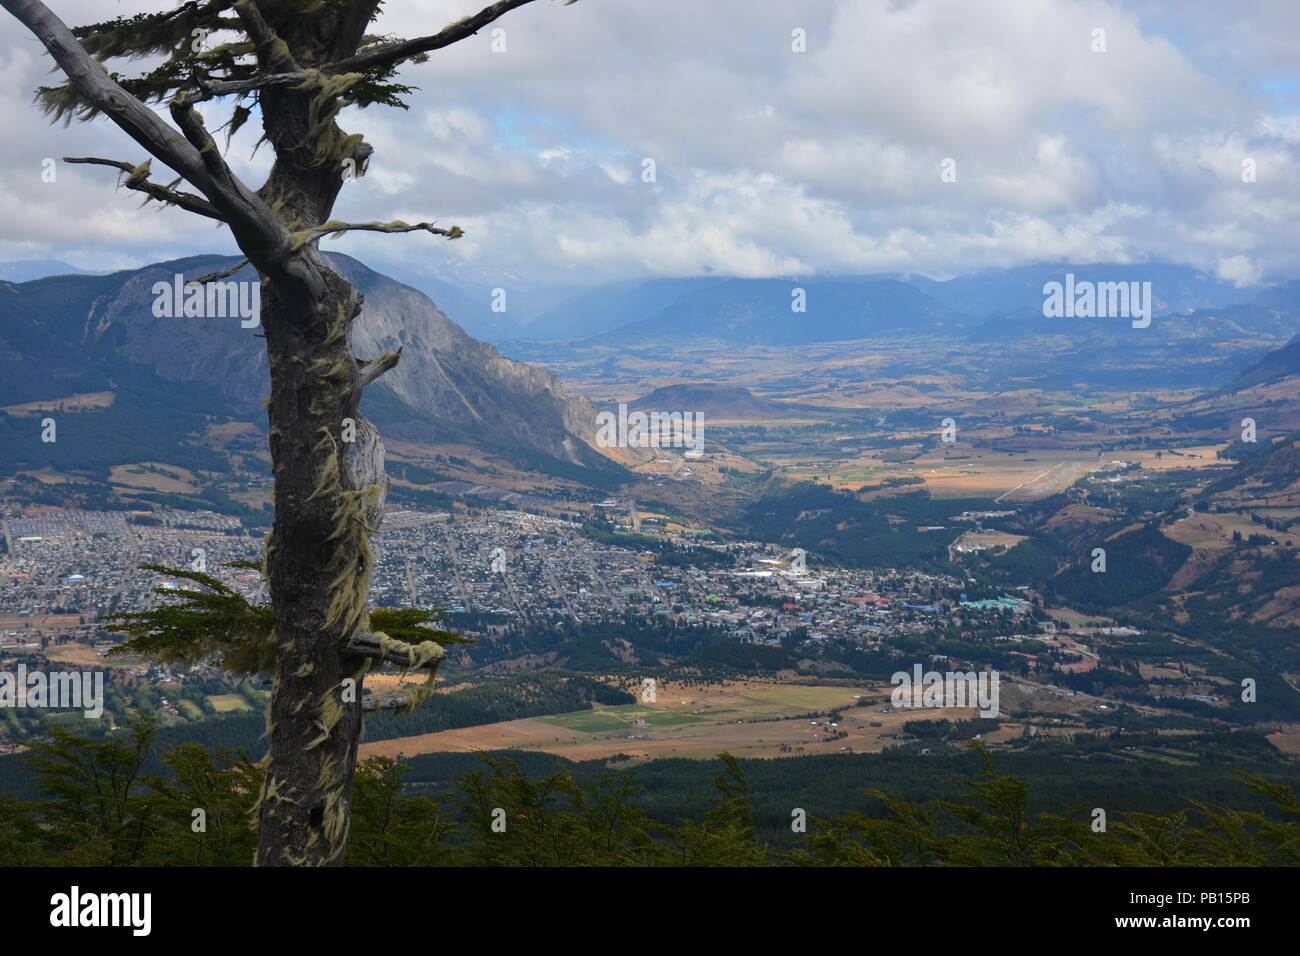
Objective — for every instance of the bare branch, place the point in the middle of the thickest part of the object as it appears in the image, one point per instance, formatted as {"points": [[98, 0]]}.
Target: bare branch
{"points": [[255, 226], [92, 81], [385, 702], [371, 369], [367, 645], [335, 228], [384, 55], [164, 194], [191, 124], [251, 220], [222, 274], [390, 54], [211, 91]]}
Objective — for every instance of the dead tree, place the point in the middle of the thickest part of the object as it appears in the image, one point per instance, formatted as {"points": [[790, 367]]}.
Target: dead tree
{"points": [[299, 62]]}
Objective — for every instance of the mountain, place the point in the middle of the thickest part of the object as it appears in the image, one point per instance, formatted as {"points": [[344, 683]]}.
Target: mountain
{"points": [[1174, 288], [610, 306], [1284, 296], [78, 334], [1273, 367], [1208, 325], [709, 399], [1267, 472], [25, 270], [471, 306], [759, 312]]}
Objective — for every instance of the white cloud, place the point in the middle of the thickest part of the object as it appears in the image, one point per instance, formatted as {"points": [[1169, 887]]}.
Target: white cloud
{"points": [[769, 161]]}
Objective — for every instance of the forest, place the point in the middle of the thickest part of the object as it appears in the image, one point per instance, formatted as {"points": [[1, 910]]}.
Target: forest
{"points": [[101, 807]]}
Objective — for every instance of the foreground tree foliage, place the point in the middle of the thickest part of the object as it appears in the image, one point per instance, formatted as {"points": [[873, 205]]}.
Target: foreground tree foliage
{"points": [[101, 810], [295, 64]]}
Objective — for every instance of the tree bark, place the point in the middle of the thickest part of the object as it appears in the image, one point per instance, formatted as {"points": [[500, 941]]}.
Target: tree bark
{"points": [[328, 499]]}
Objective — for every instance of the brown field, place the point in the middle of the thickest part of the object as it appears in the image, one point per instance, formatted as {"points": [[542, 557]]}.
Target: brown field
{"points": [[72, 403], [979, 540], [83, 655], [221, 433], [1288, 742], [965, 471], [1194, 456], [387, 683], [745, 718], [47, 476], [18, 622], [1213, 531], [175, 479]]}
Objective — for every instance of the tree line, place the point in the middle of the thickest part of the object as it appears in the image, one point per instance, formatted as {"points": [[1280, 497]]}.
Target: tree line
{"points": [[101, 808]]}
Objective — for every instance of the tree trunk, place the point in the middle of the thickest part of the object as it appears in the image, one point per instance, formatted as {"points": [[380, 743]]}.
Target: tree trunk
{"points": [[328, 498]]}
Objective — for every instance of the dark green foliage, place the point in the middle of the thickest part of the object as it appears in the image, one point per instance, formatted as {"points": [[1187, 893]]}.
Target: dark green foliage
{"points": [[727, 836], [220, 786], [199, 624], [515, 820], [100, 808], [839, 527], [95, 812], [390, 828], [142, 418]]}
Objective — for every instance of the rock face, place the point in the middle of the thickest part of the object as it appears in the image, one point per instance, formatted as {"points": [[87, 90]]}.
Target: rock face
{"points": [[447, 385], [1273, 367], [461, 382]]}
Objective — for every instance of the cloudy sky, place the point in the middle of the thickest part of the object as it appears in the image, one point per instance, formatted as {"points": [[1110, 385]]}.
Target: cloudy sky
{"points": [[767, 161]]}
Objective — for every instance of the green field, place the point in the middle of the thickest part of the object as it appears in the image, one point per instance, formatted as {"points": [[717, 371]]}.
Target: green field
{"points": [[228, 703], [622, 717]]}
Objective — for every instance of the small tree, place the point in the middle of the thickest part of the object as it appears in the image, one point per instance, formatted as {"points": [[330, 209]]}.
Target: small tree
{"points": [[299, 62]]}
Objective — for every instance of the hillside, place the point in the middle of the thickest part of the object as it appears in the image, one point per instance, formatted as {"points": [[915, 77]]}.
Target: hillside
{"points": [[711, 400], [1273, 367], [70, 335]]}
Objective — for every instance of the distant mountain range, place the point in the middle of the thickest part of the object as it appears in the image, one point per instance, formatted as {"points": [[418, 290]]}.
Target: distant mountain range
{"points": [[484, 312], [745, 311], [758, 311], [792, 312], [610, 306], [73, 334], [987, 305], [995, 291], [25, 270]]}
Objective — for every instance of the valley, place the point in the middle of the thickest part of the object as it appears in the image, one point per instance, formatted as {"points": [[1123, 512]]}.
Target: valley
{"points": [[948, 489]]}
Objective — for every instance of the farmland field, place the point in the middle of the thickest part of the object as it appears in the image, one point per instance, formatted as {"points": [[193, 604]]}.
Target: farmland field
{"points": [[749, 718], [228, 703]]}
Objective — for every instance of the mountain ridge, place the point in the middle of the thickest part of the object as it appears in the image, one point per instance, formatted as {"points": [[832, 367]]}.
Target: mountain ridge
{"points": [[76, 334]]}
